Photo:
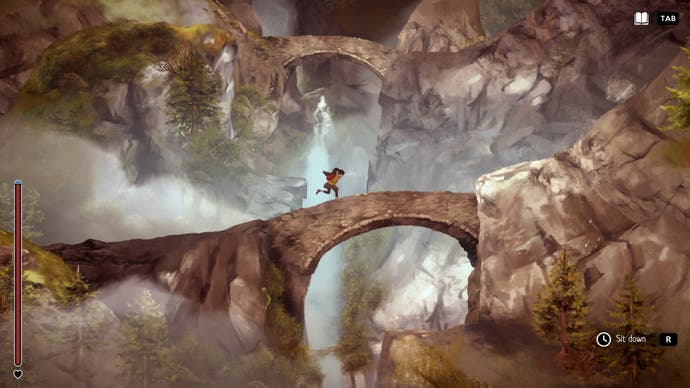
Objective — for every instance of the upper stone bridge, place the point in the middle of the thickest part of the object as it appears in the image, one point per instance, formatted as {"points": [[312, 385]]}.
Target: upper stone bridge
{"points": [[268, 62], [294, 50]]}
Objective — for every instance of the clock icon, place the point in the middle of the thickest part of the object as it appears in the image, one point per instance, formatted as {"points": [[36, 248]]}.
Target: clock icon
{"points": [[604, 339]]}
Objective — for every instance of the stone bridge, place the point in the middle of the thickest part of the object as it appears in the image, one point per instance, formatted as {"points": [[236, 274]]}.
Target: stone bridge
{"points": [[267, 62], [223, 271], [294, 50], [299, 239]]}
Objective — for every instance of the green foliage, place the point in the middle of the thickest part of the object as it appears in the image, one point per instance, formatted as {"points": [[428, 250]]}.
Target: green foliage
{"points": [[286, 360], [199, 363], [192, 107], [211, 156], [6, 289], [562, 310], [50, 273], [353, 348], [33, 297], [78, 328], [247, 103], [66, 85], [283, 331], [679, 113], [497, 15], [436, 368], [362, 295], [630, 314], [194, 94], [32, 215], [145, 350], [115, 51], [263, 368], [426, 365]]}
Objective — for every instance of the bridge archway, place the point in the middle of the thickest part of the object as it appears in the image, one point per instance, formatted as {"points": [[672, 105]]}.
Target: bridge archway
{"points": [[302, 237], [296, 49], [293, 63]]}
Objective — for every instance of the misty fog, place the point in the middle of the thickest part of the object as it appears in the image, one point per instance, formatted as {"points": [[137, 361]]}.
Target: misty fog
{"points": [[85, 193]]}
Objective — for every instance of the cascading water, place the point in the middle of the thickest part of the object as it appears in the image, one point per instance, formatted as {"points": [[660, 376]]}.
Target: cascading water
{"points": [[224, 66], [322, 307]]}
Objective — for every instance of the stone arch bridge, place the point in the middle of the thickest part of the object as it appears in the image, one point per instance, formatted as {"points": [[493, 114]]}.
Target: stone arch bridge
{"points": [[267, 62], [299, 239], [223, 271], [293, 50]]}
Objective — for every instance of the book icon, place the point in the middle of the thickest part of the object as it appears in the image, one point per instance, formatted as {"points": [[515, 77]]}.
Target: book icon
{"points": [[642, 18]]}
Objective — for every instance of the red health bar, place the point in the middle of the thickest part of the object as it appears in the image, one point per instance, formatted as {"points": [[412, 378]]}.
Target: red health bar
{"points": [[17, 273]]}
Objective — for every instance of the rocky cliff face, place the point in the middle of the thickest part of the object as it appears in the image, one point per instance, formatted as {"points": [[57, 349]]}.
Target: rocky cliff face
{"points": [[428, 283], [614, 200], [441, 26], [427, 270], [530, 91], [450, 117], [244, 11], [217, 275], [27, 29]]}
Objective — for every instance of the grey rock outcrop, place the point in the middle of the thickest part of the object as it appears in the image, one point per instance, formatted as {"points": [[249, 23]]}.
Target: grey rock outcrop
{"points": [[270, 196], [430, 284], [244, 11], [441, 26], [614, 200], [447, 118]]}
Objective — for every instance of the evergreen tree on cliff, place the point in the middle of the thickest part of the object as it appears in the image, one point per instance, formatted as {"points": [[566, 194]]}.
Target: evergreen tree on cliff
{"points": [[561, 312], [679, 112], [80, 326], [362, 294], [145, 350], [630, 314], [194, 93]]}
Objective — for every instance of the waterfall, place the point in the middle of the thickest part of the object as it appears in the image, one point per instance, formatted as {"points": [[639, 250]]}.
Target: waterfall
{"points": [[324, 121], [322, 310], [224, 67], [318, 158]]}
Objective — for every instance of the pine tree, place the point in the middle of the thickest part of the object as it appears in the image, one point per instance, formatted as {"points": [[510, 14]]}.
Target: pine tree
{"points": [[561, 312], [363, 294], [679, 113], [212, 157], [145, 350], [194, 94], [32, 215], [630, 314], [80, 326]]}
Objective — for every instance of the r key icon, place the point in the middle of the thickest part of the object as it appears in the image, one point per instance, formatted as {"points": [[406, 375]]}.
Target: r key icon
{"points": [[668, 339]]}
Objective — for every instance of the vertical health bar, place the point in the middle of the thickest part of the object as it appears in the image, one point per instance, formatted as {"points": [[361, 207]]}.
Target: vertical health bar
{"points": [[18, 273]]}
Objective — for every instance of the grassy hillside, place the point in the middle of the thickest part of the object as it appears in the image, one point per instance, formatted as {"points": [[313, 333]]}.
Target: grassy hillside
{"points": [[66, 86], [50, 271]]}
